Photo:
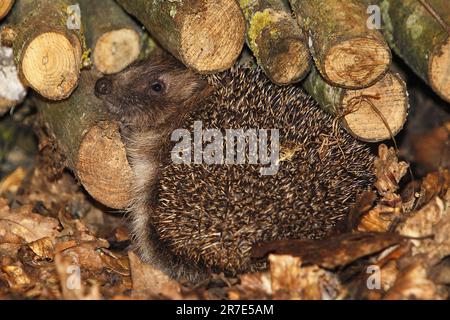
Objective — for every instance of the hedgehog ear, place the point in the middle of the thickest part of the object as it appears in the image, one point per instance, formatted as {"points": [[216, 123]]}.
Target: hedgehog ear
{"points": [[200, 89]]}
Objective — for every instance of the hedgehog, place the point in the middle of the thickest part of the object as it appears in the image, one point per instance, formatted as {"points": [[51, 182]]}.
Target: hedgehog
{"points": [[194, 218]]}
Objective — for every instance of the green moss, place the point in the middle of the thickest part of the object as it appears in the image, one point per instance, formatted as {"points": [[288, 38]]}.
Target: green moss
{"points": [[259, 21], [414, 28], [246, 8], [388, 27]]}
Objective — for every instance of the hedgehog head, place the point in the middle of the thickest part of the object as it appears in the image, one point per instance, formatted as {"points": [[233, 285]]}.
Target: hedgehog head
{"points": [[146, 93]]}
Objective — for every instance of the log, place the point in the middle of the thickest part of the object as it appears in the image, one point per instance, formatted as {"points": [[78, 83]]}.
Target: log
{"points": [[206, 35], [90, 143], [347, 53], [276, 41], [12, 91], [5, 7], [47, 53], [371, 114], [112, 34], [419, 32]]}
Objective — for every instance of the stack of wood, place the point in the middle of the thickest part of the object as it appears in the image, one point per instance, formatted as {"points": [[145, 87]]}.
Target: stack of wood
{"points": [[343, 62]]}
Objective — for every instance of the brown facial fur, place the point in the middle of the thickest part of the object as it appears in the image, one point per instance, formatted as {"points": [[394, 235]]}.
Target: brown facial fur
{"points": [[147, 93]]}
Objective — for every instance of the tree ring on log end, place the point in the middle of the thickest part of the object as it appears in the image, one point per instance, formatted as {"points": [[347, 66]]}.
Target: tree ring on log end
{"points": [[389, 97], [287, 65], [103, 168], [116, 50], [50, 65], [208, 37], [439, 73], [356, 63]]}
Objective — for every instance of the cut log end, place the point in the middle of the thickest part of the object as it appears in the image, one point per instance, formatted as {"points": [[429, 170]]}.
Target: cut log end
{"points": [[5, 7], [51, 65], [117, 49], [356, 63], [289, 65], [103, 167], [439, 72], [374, 113], [212, 40]]}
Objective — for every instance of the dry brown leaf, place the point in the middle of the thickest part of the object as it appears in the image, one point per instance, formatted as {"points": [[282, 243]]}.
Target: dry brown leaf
{"points": [[9, 249], [73, 288], [432, 220], [434, 184], [86, 255], [43, 248], [16, 276], [388, 171], [12, 182], [413, 283], [27, 225], [253, 286], [117, 263], [122, 234], [389, 274], [149, 282], [291, 281]]}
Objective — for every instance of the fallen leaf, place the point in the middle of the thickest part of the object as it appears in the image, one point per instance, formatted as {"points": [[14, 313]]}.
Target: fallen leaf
{"points": [[432, 221], [292, 281], [388, 171], [23, 223], [73, 288], [150, 282], [413, 283], [16, 276], [43, 248], [12, 182], [253, 286]]}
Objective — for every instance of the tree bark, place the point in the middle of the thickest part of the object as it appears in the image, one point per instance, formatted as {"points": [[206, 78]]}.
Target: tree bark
{"points": [[371, 114], [276, 40], [347, 53], [90, 143], [5, 7], [48, 54], [112, 34], [419, 32], [206, 35]]}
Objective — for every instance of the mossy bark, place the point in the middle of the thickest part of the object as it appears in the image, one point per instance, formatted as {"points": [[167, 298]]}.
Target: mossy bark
{"points": [[90, 143], [113, 36], [346, 52], [206, 35], [372, 114], [47, 53], [276, 40], [419, 32], [5, 7]]}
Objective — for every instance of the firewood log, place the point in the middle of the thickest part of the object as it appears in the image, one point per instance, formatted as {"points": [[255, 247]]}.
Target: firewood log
{"points": [[206, 35], [346, 51]]}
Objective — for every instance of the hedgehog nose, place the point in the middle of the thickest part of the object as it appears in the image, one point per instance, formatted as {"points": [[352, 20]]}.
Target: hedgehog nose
{"points": [[103, 86]]}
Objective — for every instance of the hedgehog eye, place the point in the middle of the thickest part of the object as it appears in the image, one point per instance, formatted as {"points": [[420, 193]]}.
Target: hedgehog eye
{"points": [[157, 87]]}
